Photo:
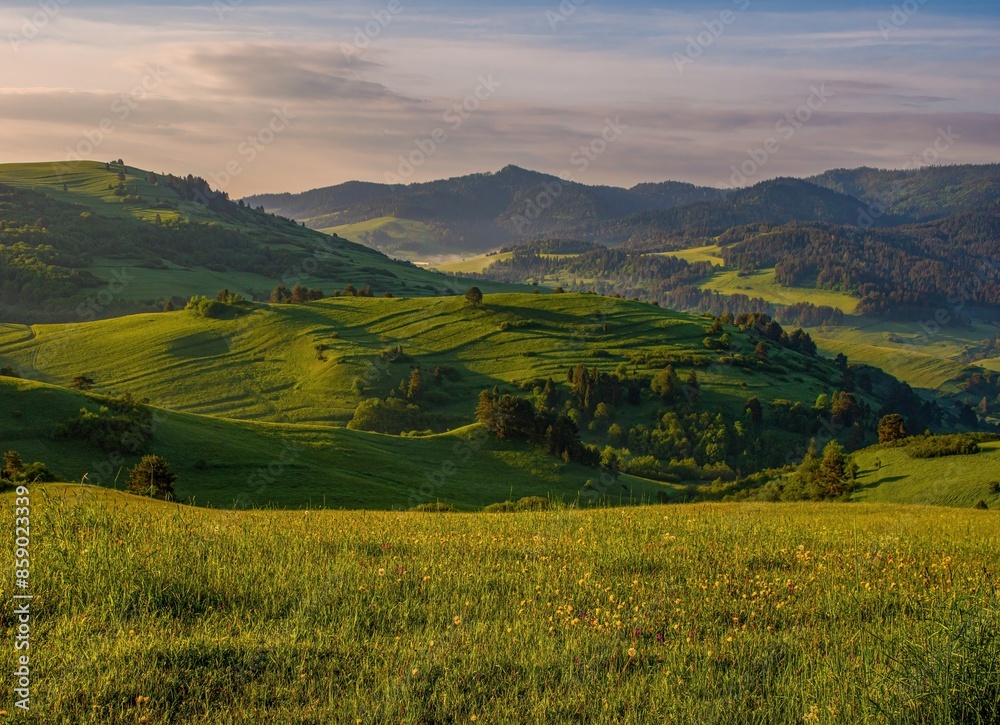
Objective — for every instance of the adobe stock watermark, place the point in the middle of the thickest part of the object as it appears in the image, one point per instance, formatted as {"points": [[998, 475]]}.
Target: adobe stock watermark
{"points": [[121, 109], [36, 22], [453, 120], [463, 453], [563, 12], [365, 35], [580, 159], [260, 479], [899, 17], [250, 148], [224, 7], [714, 28], [876, 209], [785, 128]]}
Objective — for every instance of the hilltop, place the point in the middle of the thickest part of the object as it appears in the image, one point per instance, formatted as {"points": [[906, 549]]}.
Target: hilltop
{"points": [[81, 240]]}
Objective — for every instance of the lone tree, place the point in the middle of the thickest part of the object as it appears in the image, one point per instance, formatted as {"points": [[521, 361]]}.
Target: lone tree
{"points": [[12, 465], [754, 410], [152, 477], [474, 297], [891, 428]]}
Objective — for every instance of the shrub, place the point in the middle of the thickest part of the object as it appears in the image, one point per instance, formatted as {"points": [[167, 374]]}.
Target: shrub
{"points": [[395, 354], [8, 372], [121, 425], [435, 508], [937, 446], [528, 503], [15, 471], [391, 416], [82, 382], [981, 505], [204, 307], [36, 472]]}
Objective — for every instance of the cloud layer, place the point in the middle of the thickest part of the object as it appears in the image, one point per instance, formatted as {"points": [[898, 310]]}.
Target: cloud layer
{"points": [[429, 91]]}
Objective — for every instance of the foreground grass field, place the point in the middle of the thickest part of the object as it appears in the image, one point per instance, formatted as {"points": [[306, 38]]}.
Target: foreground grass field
{"points": [[154, 613]]}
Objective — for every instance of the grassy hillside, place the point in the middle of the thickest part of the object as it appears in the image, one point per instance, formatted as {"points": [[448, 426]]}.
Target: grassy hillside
{"points": [[264, 365], [708, 253], [690, 614], [88, 239], [401, 238], [227, 463], [907, 350], [239, 385], [763, 284], [891, 475], [472, 264]]}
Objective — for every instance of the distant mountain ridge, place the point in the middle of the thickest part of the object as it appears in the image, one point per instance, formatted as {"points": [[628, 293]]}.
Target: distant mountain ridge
{"points": [[479, 212]]}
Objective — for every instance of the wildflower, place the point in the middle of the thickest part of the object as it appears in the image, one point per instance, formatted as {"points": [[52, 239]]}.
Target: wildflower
{"points": [[381, 572], [414, 672], [631, 652], [457, 620]]}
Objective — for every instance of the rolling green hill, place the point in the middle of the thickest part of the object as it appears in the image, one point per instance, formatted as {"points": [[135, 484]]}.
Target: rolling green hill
{"points": [[225, 463], [81, 240], [890, 475], [233, 390], [263, 365]]}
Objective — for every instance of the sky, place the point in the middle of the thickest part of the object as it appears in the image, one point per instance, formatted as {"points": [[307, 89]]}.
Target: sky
{"points": [[267, 97]]}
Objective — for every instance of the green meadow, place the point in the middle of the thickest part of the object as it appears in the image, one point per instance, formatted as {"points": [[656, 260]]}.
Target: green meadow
{"points": [[402, 238], [762, 284], [156, 613], [892, 475]]}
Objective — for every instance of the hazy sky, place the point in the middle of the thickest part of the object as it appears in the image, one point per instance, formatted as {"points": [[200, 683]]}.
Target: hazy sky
{"points": [[304, 94]]}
